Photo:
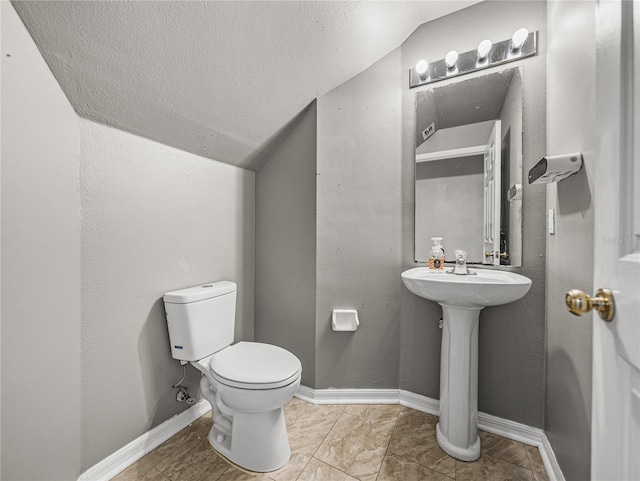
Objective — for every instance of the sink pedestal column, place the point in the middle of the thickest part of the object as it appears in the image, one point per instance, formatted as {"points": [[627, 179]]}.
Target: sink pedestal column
{"points": [[457, 431]]}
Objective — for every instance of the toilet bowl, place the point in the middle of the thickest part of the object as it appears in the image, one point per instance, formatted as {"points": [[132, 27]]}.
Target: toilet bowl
{"points": [[247, 385]]}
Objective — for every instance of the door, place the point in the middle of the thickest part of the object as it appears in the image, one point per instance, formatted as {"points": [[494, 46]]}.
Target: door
{"points": [[491, 222], [615, 441]]}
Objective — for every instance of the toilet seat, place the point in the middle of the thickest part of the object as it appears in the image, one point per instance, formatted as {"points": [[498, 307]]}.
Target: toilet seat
{"points": [[254, 365]]}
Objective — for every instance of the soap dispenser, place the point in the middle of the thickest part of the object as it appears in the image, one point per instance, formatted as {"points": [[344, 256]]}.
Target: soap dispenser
{"points": [[436, 255]]}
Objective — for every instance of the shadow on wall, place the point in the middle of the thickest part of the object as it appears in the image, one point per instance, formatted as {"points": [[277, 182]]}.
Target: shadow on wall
{"points": [[420, 342], [570, 449], [574, 194], [164, 371], [260, 155]]}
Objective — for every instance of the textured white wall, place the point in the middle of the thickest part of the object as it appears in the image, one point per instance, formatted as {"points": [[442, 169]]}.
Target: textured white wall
{"points": [[154, 219], [40, 266]]}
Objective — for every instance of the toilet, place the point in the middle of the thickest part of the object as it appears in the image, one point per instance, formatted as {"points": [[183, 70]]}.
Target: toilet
{"points": [[247, 384]]}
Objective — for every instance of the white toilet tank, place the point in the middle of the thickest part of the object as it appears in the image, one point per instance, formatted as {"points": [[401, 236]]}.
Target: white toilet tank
{"points": [[201, 319]]}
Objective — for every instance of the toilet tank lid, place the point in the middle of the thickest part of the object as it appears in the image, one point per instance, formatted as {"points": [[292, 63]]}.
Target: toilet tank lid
{"points": [[200, 293]]}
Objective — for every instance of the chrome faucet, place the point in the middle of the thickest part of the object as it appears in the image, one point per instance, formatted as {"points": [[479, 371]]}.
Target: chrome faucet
{"points": [[461, 268]]}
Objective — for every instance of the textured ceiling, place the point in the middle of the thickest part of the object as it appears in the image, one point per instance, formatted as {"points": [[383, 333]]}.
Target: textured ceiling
{"points": [[224, 80]]}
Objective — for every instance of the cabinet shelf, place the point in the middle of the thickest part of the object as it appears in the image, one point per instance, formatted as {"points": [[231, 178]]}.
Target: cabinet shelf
{"points": [[450, 154]]}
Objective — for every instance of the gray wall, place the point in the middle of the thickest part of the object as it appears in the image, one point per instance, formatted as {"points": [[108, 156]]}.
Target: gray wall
{"points": [[365, 230], [359, 227], [40, 266], [512, 337], [571, 127], [154, 219], [285, 294]]}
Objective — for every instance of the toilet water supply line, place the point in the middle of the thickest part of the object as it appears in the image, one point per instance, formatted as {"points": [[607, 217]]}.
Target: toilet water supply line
{"points": [[183, 394]]}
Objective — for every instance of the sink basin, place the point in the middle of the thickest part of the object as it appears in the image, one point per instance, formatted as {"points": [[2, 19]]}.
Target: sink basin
{"points": [[462, 298], [486, 288]]}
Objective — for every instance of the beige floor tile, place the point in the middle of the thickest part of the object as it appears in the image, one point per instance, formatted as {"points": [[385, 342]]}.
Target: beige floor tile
{"points": [[316, 470], [368, 477], [293, 402], [137, 472], [307, 426], [191, 435], [395, 468], [206, 419], [293, 468], [234, 474], [373, 412], [505, 449], [414, 438], [190, 462], [358, 441], [215, 469], [537, 465], [413, 429], [488, 468]]}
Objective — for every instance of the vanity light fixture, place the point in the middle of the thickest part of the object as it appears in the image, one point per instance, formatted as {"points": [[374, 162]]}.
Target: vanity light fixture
{"points": [[451, 59], [484, 48], [422, 68], [521, 45], [518, 39]]}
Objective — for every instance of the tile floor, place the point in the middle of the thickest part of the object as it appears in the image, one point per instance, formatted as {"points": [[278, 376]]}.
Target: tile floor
{"points": [[344, 443]]}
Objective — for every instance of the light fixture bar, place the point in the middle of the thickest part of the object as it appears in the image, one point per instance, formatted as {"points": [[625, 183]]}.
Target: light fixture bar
{"points": [[467, 62]]}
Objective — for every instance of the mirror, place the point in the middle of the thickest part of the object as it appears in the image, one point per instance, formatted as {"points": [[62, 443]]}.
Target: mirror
{"points": [[468, 172]]}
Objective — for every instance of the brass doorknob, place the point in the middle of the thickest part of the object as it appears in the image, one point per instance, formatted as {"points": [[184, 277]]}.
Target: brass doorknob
{"points": [[579, 303]]}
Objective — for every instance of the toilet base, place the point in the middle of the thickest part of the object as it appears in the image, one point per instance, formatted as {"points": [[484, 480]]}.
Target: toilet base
{"points": [[258, 441], [248, 424]]}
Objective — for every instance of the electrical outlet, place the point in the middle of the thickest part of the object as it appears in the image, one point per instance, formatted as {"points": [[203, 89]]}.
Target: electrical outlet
{"points": [[429, 131]]}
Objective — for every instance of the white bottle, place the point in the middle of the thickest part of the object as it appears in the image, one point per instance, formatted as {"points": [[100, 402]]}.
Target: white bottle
{"points": [[436, 255]]}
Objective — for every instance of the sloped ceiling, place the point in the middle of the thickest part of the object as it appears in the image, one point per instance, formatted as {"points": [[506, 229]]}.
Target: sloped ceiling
{"points": [[224, 80]]}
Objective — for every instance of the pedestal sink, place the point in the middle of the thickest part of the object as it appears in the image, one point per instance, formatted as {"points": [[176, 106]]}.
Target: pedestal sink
{"points": [[462, 297]]}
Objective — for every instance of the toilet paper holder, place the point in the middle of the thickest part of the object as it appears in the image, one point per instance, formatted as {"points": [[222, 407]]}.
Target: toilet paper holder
{"points": [[344, 320]]}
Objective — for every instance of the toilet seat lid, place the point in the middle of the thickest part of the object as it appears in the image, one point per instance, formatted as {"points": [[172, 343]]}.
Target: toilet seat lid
{"points": [[254, 363]]}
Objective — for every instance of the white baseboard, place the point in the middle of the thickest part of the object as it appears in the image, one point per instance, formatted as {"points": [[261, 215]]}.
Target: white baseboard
{"points": [[129, 454], [418, 402], [550, 461], [510, 429], [348, 396], [493, 424]]}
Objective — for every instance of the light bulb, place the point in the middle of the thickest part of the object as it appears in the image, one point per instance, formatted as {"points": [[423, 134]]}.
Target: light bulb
{"points": [[451, 58], [422, 68], [518, 39], [484, 48]]}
